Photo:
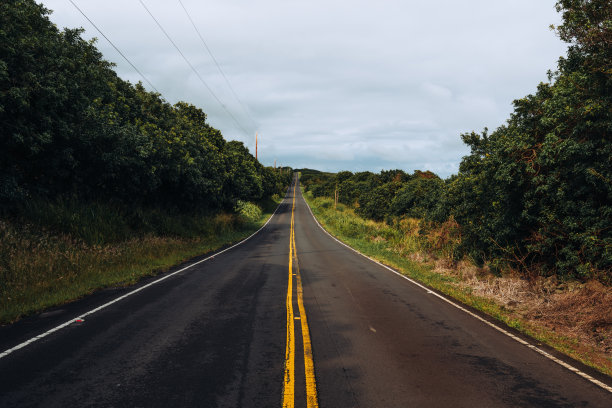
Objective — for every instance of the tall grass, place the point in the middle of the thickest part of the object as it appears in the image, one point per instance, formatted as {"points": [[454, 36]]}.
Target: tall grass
{"points": [[52, 253]]}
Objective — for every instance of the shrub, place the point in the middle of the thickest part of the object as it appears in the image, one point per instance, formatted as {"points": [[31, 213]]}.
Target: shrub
{"points": [[249, 211]]}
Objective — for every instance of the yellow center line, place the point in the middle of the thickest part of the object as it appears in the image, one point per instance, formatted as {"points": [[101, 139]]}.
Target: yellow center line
{"points": [[311, 383], [289, 382]]}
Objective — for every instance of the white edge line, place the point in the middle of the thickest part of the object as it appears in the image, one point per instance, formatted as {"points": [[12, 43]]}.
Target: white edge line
{"points": [[105, 305], [496, 327]]}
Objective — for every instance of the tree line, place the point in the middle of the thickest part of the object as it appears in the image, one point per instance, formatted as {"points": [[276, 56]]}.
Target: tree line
{"points": [[536, 193], [70, 127]]}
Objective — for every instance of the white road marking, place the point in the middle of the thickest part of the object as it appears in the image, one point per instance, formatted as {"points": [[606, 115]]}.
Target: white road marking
{"points": [[496, 327], [80, 318]]}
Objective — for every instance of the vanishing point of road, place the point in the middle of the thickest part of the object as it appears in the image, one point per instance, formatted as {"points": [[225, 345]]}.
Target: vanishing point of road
{"points": [[290, 318]]}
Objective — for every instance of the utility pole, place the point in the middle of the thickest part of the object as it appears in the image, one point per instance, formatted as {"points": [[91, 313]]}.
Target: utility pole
{"points": [[255, 145], [336, 196]]}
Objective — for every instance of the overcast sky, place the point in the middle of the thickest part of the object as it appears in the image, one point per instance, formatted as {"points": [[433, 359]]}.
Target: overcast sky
{"points": [[337, 84]]}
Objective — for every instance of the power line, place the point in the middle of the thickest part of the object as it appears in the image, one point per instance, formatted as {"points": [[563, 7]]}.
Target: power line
{"points": [[193, 69], [217, 64], [115, 47]]}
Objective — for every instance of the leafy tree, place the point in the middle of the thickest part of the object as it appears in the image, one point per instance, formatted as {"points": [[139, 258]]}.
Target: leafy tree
{"points": [[376, 203], [343, 176], [419, 197], [48, 80], [537, 191], [397, 175], [244, 180]]}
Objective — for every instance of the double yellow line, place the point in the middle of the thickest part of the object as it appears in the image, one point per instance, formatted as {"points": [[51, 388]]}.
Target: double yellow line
{"points": [[289, 380]]}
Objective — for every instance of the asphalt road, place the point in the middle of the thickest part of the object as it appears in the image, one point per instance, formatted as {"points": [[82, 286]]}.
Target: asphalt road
{"points": [[218, 335]]}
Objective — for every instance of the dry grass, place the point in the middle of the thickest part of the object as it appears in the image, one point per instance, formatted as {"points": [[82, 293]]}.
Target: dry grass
{"points": [[581, 313]]}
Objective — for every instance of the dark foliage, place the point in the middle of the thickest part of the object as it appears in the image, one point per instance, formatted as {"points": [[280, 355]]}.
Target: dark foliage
{"points": [[71, 128]]}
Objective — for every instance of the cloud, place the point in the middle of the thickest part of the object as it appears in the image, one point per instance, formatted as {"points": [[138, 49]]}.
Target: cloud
{"points": [[344, 84], [437, 92]]}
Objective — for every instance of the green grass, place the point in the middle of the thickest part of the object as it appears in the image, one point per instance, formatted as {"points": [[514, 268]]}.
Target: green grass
{"points": [[67, 251], [392, 246]]}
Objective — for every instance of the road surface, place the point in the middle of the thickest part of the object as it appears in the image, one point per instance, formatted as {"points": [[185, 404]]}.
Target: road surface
{"points": [[288, 318]]}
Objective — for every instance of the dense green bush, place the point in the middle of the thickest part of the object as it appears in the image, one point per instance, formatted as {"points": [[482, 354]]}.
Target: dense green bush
{"points": [[249, 211], [376, 203], [419, 197]]}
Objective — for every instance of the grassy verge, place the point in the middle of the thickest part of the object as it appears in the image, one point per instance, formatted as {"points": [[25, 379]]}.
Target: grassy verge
{"points": [[67, 251], [403, 252]]}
